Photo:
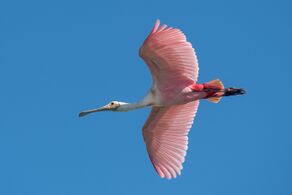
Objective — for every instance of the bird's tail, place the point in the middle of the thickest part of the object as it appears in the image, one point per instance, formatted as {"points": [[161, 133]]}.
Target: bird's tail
{"points": [[218, 85], [218, 91]]}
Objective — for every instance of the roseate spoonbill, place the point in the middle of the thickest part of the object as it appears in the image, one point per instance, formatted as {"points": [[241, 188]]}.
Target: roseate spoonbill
{"points": [[174, 97]]}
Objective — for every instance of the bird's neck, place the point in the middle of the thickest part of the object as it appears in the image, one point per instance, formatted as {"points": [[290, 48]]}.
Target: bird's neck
{"points": [[124, 106], [147, 101]]}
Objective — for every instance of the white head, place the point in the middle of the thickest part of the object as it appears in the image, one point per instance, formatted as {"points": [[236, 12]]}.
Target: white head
{"points": [[117, 106], [111, 106]]}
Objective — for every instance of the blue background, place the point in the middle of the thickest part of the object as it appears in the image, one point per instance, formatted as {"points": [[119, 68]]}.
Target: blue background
{"points": [[60, 57]]}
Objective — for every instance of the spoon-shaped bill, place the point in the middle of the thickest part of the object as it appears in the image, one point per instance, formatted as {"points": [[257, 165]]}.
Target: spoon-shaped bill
{"points": [[86, 112]]}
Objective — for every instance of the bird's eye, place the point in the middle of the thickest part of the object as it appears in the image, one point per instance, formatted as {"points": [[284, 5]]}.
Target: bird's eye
{"points": [[112, 103]]}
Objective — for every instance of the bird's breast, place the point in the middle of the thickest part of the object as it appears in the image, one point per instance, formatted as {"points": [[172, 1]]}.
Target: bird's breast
{"points": [[168, 96]]}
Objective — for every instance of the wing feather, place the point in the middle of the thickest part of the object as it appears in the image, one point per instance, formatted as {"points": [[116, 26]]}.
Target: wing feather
{"points": [[169, 55], [165, 134]]}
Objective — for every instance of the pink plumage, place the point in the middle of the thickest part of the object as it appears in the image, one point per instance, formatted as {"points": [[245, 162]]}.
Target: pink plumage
{"points": [[166, 137], [170, 58], [174, 97], [173, 64]]}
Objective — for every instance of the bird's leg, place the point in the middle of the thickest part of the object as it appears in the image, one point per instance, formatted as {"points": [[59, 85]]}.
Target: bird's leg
{"points": [[223, 92], [233, 91]]}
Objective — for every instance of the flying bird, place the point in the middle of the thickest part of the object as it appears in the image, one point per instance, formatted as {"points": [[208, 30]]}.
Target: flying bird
{"points": [[174, 97]]}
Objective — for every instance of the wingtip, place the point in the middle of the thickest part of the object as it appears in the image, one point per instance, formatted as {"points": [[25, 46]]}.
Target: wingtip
{"points": [[157, 21], [156, 25]]}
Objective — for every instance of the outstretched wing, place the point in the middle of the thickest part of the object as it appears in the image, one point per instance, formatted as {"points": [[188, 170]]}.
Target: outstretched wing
{"points": [[169, 56], [166, 136]]}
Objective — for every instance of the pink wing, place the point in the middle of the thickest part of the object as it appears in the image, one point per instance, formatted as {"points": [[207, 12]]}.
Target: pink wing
{"points": [[166, 136], [169, 56], [173, 65]]}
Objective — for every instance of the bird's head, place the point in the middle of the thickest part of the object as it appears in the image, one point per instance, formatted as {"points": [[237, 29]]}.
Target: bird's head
{"points": [[111, 106]]}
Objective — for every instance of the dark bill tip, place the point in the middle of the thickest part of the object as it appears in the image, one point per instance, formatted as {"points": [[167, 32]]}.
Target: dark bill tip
{"points": [[81, 114]]}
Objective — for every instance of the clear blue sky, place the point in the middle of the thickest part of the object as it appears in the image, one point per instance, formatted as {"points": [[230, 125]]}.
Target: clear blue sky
{"points": [[60, 57]]}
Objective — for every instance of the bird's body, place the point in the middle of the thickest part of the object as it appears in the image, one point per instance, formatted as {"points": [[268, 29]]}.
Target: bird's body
{"points": [[174, 97]]}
